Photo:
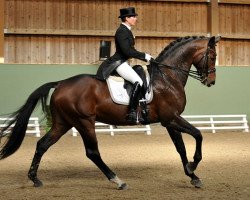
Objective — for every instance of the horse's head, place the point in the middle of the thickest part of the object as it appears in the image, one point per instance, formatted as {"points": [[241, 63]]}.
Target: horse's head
{"points": [[204, 61]]}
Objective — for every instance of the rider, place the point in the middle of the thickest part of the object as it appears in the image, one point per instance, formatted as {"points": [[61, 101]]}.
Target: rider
{"points": [[124, 43]]}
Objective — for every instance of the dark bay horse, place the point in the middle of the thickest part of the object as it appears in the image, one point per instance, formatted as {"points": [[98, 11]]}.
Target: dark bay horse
{"points": [[81, 100]]}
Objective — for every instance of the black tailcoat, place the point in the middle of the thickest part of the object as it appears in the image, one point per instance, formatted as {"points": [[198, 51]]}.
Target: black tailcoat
{"points": [[124, 43]]}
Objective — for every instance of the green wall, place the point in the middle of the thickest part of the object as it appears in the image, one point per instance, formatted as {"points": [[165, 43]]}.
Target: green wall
{"points": [[230, 95], [17, 82]]}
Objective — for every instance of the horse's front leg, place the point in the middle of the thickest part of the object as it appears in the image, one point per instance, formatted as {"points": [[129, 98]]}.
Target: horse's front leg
{"points": [[180, 147], [181, 125]]}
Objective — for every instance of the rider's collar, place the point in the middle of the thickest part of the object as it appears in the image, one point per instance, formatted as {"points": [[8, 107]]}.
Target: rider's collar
{"points": [[129, 28]]}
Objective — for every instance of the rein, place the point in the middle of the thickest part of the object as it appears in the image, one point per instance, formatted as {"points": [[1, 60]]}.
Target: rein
{"points": [[192, 73], [198, 75]]}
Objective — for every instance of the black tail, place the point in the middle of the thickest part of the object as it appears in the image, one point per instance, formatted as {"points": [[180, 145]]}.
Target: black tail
{"points": [[21, 119]]}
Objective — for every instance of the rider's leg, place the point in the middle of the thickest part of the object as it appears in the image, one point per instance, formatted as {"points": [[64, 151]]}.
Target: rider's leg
{"points": [[126, 71], [133, 103]]}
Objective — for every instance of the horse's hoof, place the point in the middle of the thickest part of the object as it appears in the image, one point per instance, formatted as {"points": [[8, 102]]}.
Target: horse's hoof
{"points": [[196, 182], [123, 186], [119, 182], [38, 183]]}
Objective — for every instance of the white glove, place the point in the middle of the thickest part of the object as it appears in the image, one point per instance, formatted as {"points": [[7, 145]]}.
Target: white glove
{"points": [[148, 57]]}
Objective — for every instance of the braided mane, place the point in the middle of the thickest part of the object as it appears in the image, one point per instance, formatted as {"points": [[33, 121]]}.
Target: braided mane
{"points": [[175, 44]]}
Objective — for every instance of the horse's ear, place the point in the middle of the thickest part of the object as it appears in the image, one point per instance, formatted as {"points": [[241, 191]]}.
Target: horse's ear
{"points": [[217, 39], [211, 42]]}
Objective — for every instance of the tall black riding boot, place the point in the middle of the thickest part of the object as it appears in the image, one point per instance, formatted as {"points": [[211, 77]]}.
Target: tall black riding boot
{"points": [[133, 103]]}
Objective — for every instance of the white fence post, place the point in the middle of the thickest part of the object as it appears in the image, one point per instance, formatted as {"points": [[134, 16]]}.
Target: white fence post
{"points": [[37, 128], [111, 129], [212, 124], [245, 124], [148, 131], [74, 132]]}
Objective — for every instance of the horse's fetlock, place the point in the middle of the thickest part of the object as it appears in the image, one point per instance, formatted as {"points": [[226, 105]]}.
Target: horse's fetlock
{"points": [[32, 175]]}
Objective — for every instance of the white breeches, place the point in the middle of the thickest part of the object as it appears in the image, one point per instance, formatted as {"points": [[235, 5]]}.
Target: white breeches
{"points": [[126, 72]]}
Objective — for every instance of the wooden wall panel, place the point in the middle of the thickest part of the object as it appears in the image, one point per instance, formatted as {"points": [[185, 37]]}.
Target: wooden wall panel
{"points": [[234, 52], [234, 20], [70, 49], [39, 20], [52, 49], [69, 31], [103, 15], [234, 26]]}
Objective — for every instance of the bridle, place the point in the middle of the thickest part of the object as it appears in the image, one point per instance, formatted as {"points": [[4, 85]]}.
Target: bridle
{"points": [[200, 75], [205, 71]]}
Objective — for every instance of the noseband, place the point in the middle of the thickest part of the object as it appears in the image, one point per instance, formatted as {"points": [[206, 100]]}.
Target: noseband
{"points": [[205, 68]]}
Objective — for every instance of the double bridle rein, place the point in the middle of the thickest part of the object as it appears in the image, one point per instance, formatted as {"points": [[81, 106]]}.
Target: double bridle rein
{"points": [[200, 75]]}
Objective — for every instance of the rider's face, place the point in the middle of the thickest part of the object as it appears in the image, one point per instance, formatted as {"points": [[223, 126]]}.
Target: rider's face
{"points": [[131, 20]]}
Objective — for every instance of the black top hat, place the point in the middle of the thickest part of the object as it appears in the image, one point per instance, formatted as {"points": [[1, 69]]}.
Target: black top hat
{"points": [[127, 12]]}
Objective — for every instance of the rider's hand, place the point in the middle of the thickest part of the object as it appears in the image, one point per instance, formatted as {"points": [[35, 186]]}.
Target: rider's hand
{"points": [[148, 57]]}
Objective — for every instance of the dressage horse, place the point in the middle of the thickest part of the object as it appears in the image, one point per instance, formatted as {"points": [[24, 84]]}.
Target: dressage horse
{"points": [[81, 100]]}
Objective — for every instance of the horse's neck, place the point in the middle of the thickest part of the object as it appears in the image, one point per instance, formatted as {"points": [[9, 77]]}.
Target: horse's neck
{"points": [[180, 60], [178, 74]]}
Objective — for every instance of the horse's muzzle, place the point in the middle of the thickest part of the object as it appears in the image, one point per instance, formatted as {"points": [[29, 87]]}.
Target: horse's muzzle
{"points": [[210, 84]]}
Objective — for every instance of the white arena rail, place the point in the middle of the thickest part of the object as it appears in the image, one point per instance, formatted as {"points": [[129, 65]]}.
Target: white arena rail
{"points": [[218, 122], [202, 122], [33, 125], [101, 127]]}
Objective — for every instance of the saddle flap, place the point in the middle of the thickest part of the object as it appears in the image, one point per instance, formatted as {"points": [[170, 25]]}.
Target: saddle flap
{"points": [[119, 94]]}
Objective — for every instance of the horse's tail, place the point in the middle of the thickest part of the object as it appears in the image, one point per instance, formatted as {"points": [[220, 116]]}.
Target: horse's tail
{"points": [[20, 119]]}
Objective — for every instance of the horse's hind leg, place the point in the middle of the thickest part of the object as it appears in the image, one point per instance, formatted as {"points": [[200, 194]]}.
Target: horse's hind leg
{"points": [[43, 145], [180, 147], [87, 132]]}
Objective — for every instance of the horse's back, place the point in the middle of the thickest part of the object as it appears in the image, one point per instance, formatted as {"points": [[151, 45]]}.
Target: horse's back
{"points": [[80, 88], [77, 79]]}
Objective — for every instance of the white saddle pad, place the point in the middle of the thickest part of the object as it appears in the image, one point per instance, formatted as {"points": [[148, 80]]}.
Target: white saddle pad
{"points": [[119, 94]]}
